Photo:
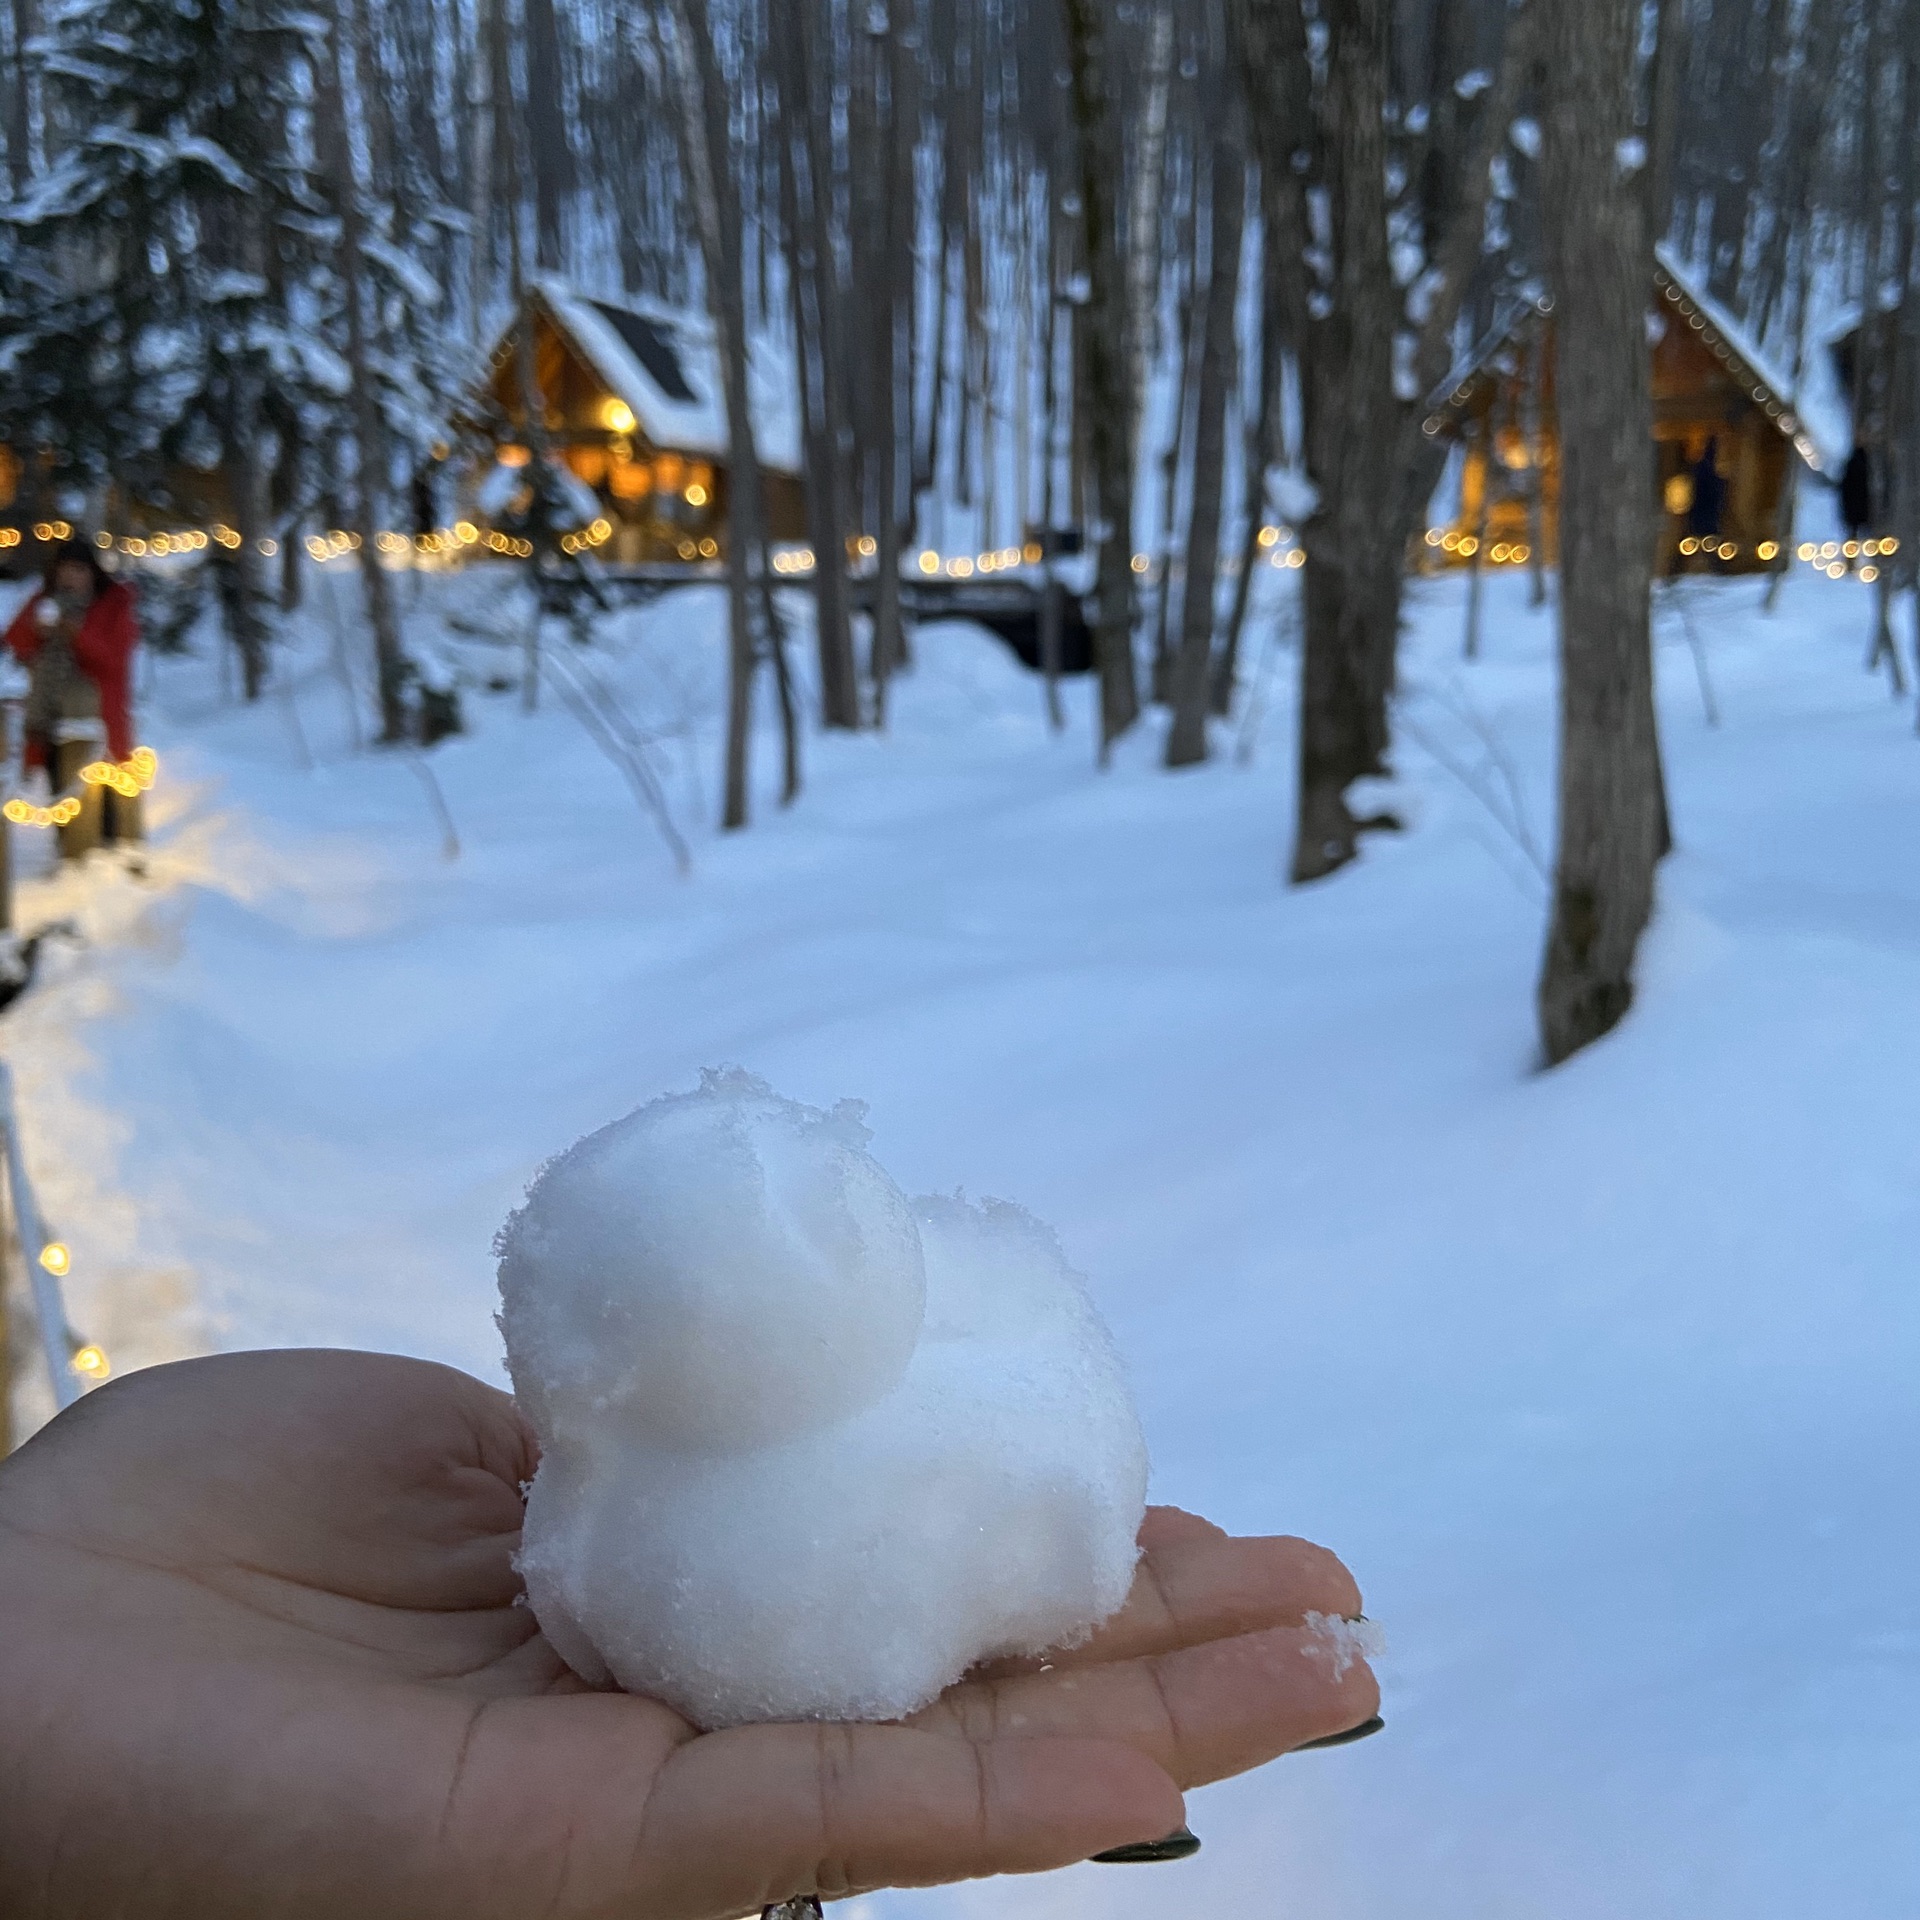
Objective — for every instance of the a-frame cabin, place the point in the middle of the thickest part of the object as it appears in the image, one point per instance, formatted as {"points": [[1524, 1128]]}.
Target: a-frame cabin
{"points": [[632, 401], [1726, 431]]}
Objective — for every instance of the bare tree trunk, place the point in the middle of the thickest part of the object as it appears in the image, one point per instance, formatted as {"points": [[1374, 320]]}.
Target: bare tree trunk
{"points": [[707, 152], [814, 294], [1352, 600], [1110, 408], [392, 670], [1143, 243], [1532, 408], [478, 111], [1611, 805], [243, 592], [893, 370], [1187, 737], [1483, 439], [20, 123], [1226, 663], [1365, 451], [1262, 437], [1052, 592], [552, 160], [1187, 378]]}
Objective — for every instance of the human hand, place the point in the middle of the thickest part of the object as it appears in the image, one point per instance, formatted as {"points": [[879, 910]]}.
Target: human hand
{"points": [[260, 1659]]}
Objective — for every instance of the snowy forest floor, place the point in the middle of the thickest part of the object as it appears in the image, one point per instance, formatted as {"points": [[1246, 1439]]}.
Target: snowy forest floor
{"points": [[1603, 1380]]}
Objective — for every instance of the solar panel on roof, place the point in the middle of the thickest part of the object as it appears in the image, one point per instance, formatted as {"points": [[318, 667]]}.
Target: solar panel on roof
{"points": [[652, 345]]}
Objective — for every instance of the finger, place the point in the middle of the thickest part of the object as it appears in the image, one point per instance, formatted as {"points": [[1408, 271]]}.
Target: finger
{"points": [[745, 1819], [1200, 1712], [1199, 1586], [1201, 1589], [1167, 1526]]}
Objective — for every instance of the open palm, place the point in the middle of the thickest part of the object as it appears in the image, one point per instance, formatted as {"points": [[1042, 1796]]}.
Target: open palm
{"points": [[262, 1655]]}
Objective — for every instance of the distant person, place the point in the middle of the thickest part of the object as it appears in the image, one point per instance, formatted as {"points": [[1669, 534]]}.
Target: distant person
{"points": [[1709, 497], [76, 637], [1856, 494]]}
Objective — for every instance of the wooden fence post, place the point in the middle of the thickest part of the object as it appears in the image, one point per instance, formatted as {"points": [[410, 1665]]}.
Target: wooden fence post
{"points": [[6, 854], [81, 834]]}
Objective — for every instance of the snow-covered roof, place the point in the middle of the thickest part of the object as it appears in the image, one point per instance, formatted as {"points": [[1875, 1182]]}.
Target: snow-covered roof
{"points": [[1818, 430], [1820, 441], [665, 366]]}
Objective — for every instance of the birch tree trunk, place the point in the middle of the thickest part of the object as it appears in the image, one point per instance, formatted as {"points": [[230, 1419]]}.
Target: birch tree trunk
{"points": [[892, 372], [1191, 689], [752, 631], [815, 299], [391, 668], [1611, 809], [547, 149], [1109, 408]]}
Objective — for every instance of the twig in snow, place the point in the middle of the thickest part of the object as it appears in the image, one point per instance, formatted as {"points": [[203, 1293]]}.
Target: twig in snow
{"points": [[290, 704], [1676, 598], [450, 846], [1506, 801], [1284, 625], [614, 734]]}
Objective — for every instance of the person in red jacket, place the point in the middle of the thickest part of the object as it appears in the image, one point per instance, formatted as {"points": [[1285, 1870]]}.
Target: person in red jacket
{"points": [[76, 637]]}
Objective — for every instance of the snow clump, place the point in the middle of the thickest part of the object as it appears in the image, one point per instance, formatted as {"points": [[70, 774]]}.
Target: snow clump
{"points": [[809, 1450]]}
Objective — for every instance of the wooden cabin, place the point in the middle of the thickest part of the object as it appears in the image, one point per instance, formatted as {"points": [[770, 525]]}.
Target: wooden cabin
{"points": [[1726, 432], [633, 402]]}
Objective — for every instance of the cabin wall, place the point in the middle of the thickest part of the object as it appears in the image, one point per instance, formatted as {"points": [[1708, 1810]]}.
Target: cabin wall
{"points": [[1719, 466], [665, 505]]}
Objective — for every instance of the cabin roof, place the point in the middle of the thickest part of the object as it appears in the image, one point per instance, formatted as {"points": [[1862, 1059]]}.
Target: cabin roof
{"points": [[665, 366], [1809, 425]]}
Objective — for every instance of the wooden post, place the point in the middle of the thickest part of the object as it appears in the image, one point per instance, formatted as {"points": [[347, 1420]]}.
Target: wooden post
{"points": [[126, 819], [80, 835], [6, 1339], [6, 899]]}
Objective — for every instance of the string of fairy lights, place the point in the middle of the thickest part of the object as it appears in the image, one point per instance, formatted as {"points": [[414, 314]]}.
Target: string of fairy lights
{"points": [[129, 778], [1279, 545], [1834, 558], [89, 1360]]}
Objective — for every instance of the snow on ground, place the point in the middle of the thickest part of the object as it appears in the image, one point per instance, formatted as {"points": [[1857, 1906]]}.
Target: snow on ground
{"points": [[1603, 1380]]}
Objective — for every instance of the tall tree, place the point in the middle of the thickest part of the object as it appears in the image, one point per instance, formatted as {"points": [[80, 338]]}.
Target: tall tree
{"points": [[1388, 277], [1611, 813], [816, 299], [1192, 674], [370, 472], [160, 315], [753, 626], [1109, 406]]}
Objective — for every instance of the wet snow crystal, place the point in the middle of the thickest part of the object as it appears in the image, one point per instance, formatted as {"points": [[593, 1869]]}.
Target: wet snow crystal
{"points": [[810, 1450]]}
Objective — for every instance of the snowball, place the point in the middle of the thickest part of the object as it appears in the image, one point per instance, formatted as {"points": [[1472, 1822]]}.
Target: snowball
{"points": [[810, 1451]]}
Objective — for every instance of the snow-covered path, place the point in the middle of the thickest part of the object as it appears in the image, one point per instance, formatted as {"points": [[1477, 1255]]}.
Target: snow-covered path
{"points": [[1604, 1381]]}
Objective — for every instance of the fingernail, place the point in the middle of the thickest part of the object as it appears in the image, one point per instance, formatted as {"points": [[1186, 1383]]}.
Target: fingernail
{"points": [[1181, 1844], [1365, 1730]]}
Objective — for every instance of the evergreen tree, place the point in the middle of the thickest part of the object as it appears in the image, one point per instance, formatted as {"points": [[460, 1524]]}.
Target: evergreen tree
{"points": [[161, 307]]}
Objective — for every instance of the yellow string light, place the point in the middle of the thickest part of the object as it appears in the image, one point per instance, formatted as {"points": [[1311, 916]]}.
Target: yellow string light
{"points": [[92, 1362], [131, 776], [23, 813], [57, 1257]]}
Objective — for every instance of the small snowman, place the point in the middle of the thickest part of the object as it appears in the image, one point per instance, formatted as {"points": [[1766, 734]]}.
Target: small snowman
{"points": [[810, 1450]]}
